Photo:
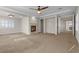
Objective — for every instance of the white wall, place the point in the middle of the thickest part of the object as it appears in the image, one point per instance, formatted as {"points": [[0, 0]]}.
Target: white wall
{"points": [[21, 25], [50, 25], [61, 26], [77, 24], [38, 25], [73, 25], [15, 29], [26, 25]]}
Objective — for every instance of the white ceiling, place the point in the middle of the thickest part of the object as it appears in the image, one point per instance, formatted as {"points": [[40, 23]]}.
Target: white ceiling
{"points": [[26, 11]]}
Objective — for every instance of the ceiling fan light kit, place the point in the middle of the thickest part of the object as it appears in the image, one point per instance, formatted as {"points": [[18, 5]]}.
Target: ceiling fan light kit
{"points": [[39, 12], [10, 15]]}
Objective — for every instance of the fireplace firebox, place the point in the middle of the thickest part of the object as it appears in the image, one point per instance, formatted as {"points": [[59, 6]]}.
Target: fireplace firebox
{"points": [[33, 28]]}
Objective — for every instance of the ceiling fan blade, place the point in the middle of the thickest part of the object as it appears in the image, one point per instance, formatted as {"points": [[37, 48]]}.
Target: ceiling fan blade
{"points": [[33, 9], [39, 9], [43, 8]]}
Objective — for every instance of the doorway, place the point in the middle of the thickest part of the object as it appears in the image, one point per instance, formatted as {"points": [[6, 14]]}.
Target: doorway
{"points": [[66, 24]]}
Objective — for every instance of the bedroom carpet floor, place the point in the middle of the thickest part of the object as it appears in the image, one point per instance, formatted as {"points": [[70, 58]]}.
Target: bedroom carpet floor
{"points": [[38, 43]]}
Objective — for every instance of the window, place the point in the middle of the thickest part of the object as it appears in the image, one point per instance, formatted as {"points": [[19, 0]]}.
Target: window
{"points": [[6, 23]]}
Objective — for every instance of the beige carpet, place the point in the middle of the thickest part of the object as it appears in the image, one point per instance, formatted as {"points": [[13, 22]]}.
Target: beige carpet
{"points": [[37, 43]]}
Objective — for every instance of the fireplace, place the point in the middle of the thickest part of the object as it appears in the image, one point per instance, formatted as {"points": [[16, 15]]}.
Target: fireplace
{"points": [[33, 28]]}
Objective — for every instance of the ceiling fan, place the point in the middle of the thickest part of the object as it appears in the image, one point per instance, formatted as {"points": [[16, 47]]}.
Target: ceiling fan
{"points": [[39, 9]]}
